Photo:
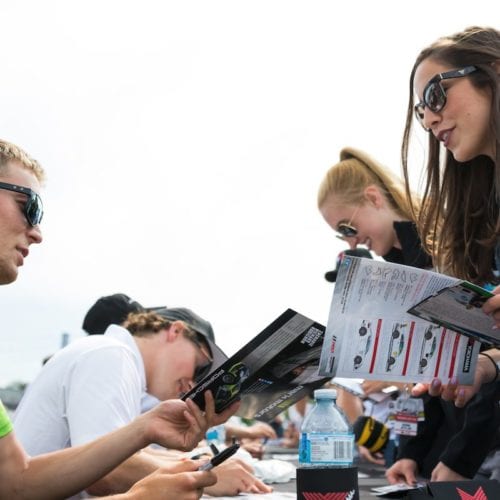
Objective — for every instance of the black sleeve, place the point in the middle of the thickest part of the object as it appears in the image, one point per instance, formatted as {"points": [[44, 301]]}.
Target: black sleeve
{"points": [[418, 447], [479, 434]]}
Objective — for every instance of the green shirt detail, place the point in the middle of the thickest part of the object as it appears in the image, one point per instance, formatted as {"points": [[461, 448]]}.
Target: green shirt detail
{"points": [[5, 423]]}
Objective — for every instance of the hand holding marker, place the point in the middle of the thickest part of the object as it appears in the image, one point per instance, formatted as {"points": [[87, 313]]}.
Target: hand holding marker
{"points": [[220, 457]]}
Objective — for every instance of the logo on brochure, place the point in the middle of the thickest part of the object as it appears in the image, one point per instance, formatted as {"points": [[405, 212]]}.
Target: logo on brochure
{"points": [[468, 356], [346, 495], [479, 495]]}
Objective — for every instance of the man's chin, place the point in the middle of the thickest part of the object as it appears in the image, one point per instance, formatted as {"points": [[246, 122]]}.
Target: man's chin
{"points": [[8, 274]]}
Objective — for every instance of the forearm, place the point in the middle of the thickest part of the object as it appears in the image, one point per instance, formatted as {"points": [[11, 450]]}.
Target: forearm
{"points": [[75, 468], [123, 477], [490, 371], [350, 404]]}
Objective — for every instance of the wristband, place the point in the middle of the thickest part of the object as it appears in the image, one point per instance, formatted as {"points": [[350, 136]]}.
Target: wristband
{"points": [[497, 370]]}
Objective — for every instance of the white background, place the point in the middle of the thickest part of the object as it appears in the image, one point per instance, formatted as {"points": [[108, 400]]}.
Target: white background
{"points": [[184, 143]]}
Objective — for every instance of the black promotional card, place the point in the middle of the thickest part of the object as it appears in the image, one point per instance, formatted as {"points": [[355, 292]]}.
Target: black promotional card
{"points": [[459, 308], [274, 370]]}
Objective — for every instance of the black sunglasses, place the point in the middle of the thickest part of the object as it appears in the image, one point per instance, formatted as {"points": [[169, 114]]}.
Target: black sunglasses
{"points": [[202, 371], [434, 95], [33, 208], [346, 229]]}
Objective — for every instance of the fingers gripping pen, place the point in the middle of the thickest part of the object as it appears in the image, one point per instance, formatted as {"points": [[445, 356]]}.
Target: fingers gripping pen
{"points": [[219, 458]]}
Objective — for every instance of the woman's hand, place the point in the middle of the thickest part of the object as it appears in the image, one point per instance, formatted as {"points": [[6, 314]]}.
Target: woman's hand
{"points": [[462, 394]]}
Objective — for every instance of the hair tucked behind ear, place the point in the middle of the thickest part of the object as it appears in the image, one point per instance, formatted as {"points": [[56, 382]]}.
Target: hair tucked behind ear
{"points": [[348, 179], [463, 196]]}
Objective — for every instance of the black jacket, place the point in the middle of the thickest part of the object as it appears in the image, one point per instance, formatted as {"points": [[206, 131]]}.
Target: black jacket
{"points": [[459, 437]]}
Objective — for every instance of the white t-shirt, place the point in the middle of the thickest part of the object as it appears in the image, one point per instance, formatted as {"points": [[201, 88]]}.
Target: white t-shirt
{"points": [[89, 388]]}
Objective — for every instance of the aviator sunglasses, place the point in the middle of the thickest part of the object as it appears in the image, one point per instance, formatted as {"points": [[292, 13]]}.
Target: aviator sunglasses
{"points": [[434, 95], [346, 229], [33, 208]]}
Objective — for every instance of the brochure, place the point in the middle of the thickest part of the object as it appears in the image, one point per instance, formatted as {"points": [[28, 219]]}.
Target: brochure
{"points": [[371, 335], [270, 373], [458, 308]]}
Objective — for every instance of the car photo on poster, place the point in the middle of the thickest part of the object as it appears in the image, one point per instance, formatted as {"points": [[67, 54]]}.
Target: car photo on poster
{"points": [[396, 345], [232, 381], [364, 340], [429, 347]]}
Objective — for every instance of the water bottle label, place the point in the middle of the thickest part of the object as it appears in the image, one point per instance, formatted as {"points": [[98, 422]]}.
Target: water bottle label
{"points": [[334, 449]]}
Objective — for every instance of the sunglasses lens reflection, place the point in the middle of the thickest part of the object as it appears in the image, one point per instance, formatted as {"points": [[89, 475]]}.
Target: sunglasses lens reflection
{"points": [[435, 97], [347, 231], [34, 210]]}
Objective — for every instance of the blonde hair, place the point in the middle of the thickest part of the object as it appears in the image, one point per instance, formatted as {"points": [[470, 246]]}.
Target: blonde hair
{"points": [[348, 179], [11, 153], [145, 324]]}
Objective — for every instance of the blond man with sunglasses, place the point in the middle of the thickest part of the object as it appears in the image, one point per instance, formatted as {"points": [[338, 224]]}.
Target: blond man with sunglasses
{"points": [[61, 474]]}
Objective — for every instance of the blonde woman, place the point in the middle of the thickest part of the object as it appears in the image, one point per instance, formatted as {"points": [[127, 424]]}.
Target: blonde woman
{"points": [[367, 205]]}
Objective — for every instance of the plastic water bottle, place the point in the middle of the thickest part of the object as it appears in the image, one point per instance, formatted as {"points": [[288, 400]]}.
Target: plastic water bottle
{"points": [[327, 439], [216, 435]]}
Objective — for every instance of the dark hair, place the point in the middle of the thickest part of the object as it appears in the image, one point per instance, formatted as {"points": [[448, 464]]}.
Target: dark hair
{"points": [[458, 219]]}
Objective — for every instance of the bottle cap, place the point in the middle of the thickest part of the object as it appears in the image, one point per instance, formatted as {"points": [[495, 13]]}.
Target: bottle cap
{"points": [[325, 394]]}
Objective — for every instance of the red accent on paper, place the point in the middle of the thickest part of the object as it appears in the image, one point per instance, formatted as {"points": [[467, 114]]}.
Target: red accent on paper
{"points": [[440, 352], [408, 348], [454, 355], [375, 344]]}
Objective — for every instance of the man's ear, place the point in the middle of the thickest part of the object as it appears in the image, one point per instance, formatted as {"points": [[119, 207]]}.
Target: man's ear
{"points": [[373, 195], [175, 329]]}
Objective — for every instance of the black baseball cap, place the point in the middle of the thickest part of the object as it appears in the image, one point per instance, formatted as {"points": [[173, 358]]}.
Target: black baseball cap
{"points": [[114, 309], [202, 327], [331, 276], [109, 310]]}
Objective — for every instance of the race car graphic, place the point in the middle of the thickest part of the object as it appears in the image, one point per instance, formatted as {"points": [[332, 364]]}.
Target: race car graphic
{"points": [[428, 349], [232, 381], [396, 345], [363, 343]]}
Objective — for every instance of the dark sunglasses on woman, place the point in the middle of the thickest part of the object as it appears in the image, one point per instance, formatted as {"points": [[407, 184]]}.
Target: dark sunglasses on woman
{"points": [[434, 95]]}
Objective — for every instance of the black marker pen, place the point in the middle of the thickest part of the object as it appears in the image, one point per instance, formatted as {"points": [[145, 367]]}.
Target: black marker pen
{"points": [[221, 457]]}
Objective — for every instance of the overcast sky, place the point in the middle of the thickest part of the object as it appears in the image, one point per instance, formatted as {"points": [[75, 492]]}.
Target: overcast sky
{"points": [[184, 143]]}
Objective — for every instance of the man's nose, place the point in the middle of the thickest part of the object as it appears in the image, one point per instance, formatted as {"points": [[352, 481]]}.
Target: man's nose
{"points": [[35, 234]]}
